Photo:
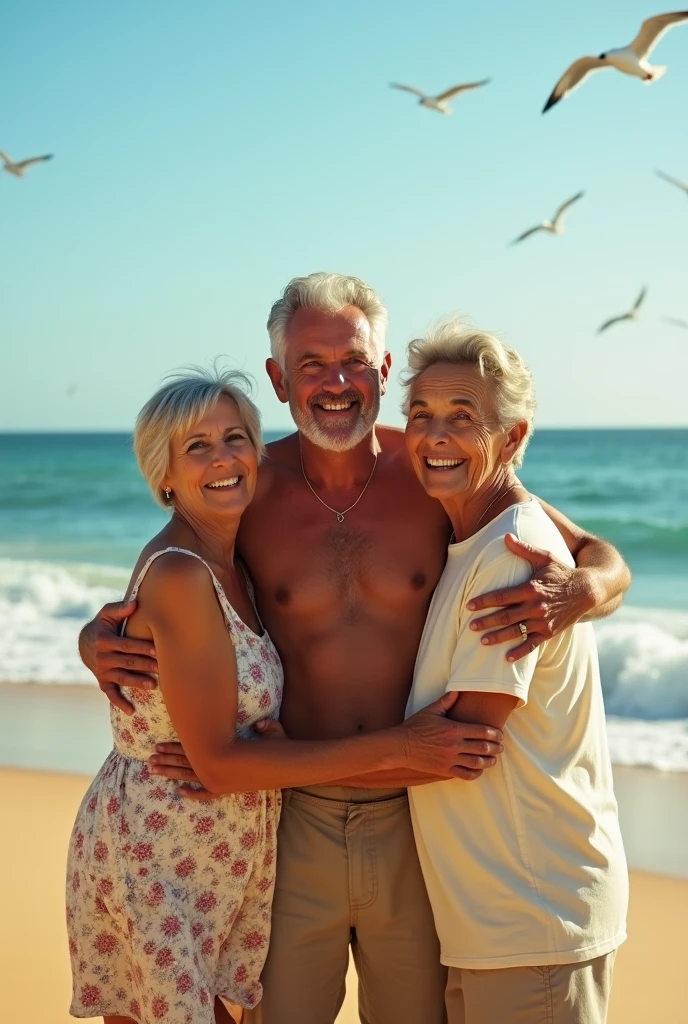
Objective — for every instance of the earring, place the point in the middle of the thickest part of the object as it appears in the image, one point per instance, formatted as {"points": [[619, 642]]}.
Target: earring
{"points": [[168, 493]]}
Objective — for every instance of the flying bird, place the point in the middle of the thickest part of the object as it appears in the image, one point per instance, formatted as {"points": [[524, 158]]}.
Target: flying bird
{"points": [[20, 168], [676, 322], [555, 226], [439, 103], [672, 181], [631, 59], [631, 315]]}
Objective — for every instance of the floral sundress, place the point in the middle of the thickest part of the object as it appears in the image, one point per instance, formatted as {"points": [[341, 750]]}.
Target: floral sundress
{"points": [[168, 901]]}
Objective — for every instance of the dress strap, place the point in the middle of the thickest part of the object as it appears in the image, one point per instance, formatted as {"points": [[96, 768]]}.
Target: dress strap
{"points": [[227, 609], [251, 592]]}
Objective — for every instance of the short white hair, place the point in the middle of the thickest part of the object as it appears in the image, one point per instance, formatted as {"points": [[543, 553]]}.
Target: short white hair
{"points": [[184, 399], [329, 293], [453, 341]]}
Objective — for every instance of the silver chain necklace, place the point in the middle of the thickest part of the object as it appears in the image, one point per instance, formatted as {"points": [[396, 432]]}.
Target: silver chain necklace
{"points": [[339, 515]]}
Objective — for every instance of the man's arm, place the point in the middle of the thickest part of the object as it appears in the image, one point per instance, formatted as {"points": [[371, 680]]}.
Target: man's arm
{"points": [[608, 576], [556, 596], [117, 660]]}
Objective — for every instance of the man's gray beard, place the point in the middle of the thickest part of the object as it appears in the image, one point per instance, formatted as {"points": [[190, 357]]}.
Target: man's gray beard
{"points": [[341, 441]]}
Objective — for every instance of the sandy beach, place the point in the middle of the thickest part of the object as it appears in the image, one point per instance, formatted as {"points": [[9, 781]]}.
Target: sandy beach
{"points": [[38, 811]]}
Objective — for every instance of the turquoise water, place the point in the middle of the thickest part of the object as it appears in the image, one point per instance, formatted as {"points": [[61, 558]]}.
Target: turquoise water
{"points": [[74, 514], [80, 498]]}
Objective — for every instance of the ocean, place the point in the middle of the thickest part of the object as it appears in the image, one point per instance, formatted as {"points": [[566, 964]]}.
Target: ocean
{"points": [[74, 514]]}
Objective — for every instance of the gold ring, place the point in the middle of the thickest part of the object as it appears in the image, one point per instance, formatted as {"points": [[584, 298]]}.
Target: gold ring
{"points": [[524, 631]]}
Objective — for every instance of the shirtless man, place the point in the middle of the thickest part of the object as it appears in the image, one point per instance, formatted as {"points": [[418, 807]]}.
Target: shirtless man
{"points": [[345, 549]]}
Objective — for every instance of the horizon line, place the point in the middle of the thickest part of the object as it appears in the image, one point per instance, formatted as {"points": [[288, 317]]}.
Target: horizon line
{"points": [[284, 431]]}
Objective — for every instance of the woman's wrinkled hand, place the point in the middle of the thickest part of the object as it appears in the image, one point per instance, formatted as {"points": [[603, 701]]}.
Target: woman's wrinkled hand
{"points": [[556, 597], [437, 745]]}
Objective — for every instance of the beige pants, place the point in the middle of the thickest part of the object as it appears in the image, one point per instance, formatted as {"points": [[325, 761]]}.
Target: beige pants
{"points": [[562, 994], [348, 875]]}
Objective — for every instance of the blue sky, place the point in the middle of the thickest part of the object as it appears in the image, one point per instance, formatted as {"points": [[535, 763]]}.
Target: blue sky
{"points": [[205, 153]]}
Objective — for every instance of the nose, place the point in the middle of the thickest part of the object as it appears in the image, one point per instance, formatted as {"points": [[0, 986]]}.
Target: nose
{"points": [[437, 433], [336, 380], [221, 456]]}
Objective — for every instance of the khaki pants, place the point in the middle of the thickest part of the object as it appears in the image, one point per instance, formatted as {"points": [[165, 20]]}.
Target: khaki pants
{"points": [[561, 994], [348, 875]]}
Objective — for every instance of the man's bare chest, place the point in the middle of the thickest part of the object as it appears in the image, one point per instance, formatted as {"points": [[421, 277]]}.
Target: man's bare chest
{"points": [[312, 564]]}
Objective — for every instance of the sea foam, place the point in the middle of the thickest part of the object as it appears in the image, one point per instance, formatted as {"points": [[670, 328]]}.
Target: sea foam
{"points": [[42, 609], [643, 653]]}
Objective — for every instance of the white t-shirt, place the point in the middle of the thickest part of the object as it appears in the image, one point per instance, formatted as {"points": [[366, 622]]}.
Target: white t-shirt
{"points": [[524, 866]]}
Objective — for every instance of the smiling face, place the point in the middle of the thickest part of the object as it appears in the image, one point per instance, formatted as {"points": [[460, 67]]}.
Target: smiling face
{"points": [[213, 465], [333, 379], [453, 435]]}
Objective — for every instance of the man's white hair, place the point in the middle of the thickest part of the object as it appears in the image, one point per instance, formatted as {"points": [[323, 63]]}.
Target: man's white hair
{"points": [[181, 401], [329, 293], [453, 341]]}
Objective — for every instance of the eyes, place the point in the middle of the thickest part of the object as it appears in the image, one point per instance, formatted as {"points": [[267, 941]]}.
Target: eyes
{"points": [[232, 438], [356, 362], [461, 416]]}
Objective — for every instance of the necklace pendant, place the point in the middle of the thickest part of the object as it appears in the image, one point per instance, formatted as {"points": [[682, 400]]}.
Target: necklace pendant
{"points": [[340, 517]]}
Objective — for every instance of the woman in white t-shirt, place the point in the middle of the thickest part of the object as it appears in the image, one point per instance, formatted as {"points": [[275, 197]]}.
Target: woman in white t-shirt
{"points": [[525, 868]]}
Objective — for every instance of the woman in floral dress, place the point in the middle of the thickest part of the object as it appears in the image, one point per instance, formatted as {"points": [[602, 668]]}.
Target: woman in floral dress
{"points": [[168, 900]]}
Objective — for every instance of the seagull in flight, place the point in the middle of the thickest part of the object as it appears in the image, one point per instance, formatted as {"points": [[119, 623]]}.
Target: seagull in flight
{"points": [[631, 59], [439, 103], [20, 168], [676, 322], [555, 226], [672, 181], [631, 315]]}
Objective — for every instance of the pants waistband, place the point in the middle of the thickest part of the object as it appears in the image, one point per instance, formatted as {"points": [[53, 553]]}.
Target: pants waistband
{"points": [[351, 794]]}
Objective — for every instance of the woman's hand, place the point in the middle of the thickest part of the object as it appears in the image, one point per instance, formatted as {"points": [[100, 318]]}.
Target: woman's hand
{"points": [[556, 597], [437, 745]]}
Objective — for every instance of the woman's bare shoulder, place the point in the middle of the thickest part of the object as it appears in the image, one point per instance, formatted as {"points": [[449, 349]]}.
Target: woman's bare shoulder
{"points": [[177, 585], [177, 569]]}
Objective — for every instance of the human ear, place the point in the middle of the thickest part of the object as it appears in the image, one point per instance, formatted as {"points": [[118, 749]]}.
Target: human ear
{"points": [[513, 440], [276, 375], [384, 372]]}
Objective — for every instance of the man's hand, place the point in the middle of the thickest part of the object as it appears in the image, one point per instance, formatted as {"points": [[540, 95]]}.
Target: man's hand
{"points": [[555, 598], [117, 660], [171, 762]]}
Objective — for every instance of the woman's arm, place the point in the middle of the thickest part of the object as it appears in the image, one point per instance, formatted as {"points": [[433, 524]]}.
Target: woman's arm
{"points": [[198, 681], [494, 708]]}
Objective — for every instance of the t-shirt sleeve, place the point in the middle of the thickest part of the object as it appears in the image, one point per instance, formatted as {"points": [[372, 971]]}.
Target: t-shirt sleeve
{"points": [[481, 668]]}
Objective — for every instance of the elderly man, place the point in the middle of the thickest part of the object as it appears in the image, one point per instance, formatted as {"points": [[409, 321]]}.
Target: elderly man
{"points": [[345, 549]]}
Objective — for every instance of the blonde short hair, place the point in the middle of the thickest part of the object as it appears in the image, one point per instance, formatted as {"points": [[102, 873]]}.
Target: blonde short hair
{"points": [[453, 341], [184, 399], [329, 293]]}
